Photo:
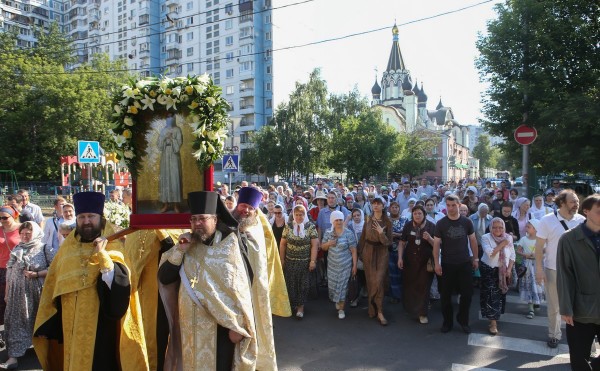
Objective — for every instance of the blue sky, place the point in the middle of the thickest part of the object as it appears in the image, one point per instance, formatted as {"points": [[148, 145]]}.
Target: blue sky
{"points": [[439, 52]]}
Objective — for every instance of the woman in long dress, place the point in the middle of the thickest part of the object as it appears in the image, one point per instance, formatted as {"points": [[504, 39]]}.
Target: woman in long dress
{"points": [[298, 253], [496, 267], [26, 269], [375, 240], [415, 250], [341, 260]]}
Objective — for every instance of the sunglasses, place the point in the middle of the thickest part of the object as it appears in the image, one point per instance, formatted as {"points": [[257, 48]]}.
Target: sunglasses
{"points": [[4, 217]]}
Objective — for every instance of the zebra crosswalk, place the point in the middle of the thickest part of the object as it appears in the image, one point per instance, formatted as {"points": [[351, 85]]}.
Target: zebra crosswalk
{"points": [[513, 338]]}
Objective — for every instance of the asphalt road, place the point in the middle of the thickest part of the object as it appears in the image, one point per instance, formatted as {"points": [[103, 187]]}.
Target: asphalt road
{"points": [[322, 342]]}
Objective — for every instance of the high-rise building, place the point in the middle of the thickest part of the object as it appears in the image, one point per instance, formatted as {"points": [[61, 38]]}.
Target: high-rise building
{"points": [[229, 39]]}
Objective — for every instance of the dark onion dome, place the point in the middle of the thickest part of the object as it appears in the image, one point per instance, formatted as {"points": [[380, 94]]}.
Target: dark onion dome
{"points": [[376, 89], [416, 89], [407, 83], [440, 104], [422, 96]]}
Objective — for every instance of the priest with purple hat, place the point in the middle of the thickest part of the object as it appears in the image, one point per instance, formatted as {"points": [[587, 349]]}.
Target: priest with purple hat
{"points": [[269, 293]]}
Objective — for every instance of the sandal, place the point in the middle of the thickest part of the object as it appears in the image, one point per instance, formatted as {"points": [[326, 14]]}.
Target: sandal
{"points": [[530, 314]]}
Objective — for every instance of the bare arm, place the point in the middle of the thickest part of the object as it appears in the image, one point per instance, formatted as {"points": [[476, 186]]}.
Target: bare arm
{"points": [[400, 254], [436, 255], [282, 249]]}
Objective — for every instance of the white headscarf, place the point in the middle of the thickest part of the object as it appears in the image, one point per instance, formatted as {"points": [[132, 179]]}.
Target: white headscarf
{"points": [[358, 227], [335, 216], [298, 228]]}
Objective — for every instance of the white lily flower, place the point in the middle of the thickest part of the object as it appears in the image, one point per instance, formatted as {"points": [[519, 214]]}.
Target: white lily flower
{"points": [[119, 140], [199, 88], [165, 82], [128, 121], [184, 98], [210, 148], [171, 102], [200, 131], [128, 93], [118, 109], [162, 99], [212, 135], [204, 79], [148, 102], [176, 91], [136, 91], [137, 104], [142, 83], [125, 102], [180, 79], [212, 101], [199, 153]]}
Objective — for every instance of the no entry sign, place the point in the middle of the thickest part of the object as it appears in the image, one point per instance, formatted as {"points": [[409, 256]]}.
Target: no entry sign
{"points": [[525, 135]]}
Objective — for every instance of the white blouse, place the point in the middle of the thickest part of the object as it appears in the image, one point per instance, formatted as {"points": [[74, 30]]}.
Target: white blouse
{"points": [[488, 244]]}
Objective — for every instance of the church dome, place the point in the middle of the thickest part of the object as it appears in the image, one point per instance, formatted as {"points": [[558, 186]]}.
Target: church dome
{"points": [[376, 89], [407, 83], [416, 89], [440, 104], [421, 95]]}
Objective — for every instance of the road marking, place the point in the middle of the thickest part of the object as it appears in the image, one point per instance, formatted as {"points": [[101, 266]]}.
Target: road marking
{"points": [[459, 367], [518, 345], [522, 320]]}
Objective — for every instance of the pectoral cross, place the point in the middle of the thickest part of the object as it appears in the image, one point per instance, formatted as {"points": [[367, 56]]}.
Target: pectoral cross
{"points": [[194, 281]]}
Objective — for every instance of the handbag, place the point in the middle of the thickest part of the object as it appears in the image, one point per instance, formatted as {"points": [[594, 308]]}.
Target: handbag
{"points": [[430, 265], [353, 289], [521, 270]]}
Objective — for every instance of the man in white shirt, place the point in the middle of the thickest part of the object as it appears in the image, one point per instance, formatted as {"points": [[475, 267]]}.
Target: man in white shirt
{"points": [[34, 209], [51, 232], [425, 187], [551, 228]]}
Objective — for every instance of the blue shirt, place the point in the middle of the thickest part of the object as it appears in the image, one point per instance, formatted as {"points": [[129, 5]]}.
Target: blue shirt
{"points": [[323, 222]]}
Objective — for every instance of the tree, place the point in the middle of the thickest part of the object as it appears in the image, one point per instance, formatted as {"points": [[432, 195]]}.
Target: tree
{"points": [[361, 145], [415, 154], [485, 153], [540, 59], [48, 108]]}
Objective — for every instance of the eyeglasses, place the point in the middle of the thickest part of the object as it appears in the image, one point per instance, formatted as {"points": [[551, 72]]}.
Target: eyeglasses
{"points": [[4, 217], [277, 213], [203, 219]]}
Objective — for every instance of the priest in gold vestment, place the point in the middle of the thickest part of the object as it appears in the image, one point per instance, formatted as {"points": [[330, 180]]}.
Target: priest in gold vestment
{"points": [[86, 294], [269, 292], [205, 288]]}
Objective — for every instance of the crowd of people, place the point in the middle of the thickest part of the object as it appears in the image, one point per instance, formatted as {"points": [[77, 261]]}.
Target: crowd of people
{"points": [[251, 253]]}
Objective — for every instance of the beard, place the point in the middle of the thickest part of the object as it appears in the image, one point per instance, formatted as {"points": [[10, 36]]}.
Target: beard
{"points": [[202, 235], [89, 232], [245, 222]]}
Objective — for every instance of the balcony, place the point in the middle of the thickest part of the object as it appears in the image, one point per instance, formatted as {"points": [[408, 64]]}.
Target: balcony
{"points": [[246, 122]]}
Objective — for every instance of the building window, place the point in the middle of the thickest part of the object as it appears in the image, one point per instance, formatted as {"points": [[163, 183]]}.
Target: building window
{"points": [[229, 9], [190, 5], [190, 36], [190, 52], [267, 19], [229, 24], [269, 69], [268, 86], [189, 21], [269, 103], [229, 56], [217, 78], [268, 35], [229, 90], [229, 73], [229, 40], [190, 67]]}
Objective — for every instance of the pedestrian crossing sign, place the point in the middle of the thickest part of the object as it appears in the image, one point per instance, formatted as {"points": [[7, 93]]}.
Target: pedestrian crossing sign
{"points": [[88, 152], [231, 163]]}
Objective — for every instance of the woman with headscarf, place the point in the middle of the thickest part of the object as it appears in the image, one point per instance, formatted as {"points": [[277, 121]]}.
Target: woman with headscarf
{"points": [[521, 213], [375, 240], [415, 250], [471, 200], [9, 238], [496, 267], [341, 260], [360, 199], [538, 209], [26, 269], [298, 253], [407, 213], [356, 226]]}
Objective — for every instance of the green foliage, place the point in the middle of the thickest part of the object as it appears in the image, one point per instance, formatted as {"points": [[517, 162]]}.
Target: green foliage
{"points": [[486, 153], [541, 58], [414, 156], [361, 145], [49, 109]]}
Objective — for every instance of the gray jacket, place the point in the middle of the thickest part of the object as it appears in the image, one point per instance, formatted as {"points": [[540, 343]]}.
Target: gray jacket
{"points": [[578, 272]]}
